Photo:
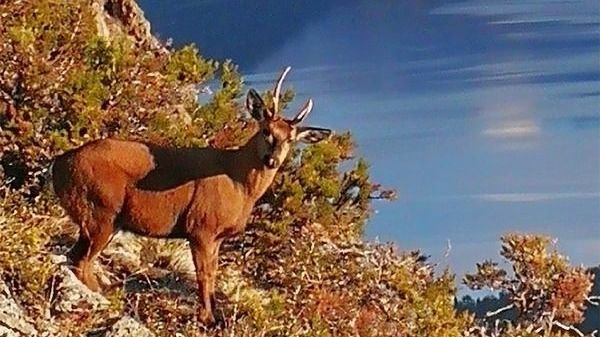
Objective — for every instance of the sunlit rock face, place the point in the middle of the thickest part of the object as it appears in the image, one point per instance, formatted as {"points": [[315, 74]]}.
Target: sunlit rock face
{"points": [[124, 17]]}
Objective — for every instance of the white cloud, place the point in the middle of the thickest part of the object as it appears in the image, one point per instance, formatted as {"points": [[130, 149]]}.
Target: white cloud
{"points": [[535, 197], [513, 129]]}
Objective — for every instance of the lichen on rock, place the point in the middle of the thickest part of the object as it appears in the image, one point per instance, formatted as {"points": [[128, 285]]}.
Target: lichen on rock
{"points": [[13, 321]]}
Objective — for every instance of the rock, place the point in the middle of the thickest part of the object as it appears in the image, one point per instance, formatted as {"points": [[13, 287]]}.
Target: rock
{"points": [[129, 327], [101, 25], [125, 249], [7, 332], [74, 296], [58, 259], [13, 321], [179, 255], [115, 17]]}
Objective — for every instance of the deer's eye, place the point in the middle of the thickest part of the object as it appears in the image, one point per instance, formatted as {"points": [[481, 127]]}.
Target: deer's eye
{"points": [[266, 132]]}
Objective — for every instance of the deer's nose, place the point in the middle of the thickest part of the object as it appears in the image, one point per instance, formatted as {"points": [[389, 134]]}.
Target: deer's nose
{"points": [[270, 162]]}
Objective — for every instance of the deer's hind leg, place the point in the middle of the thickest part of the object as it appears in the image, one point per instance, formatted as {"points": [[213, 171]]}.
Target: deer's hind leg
{"points": [[95, 232]]}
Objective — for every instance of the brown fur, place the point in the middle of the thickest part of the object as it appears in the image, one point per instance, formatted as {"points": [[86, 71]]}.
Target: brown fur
{"points": [[201, 194]]}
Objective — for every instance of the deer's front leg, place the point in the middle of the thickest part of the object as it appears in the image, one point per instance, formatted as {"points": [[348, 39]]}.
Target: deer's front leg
{"points": [[215, 266], [202, 252]]}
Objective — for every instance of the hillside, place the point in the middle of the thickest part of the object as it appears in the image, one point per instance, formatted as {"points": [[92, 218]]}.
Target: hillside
{"points": [[73, 71]]}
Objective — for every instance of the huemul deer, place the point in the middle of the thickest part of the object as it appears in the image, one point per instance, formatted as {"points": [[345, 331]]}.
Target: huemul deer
{"points": [[203, 195]]}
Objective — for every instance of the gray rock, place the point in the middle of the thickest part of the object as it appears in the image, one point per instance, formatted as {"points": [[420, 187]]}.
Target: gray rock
{"points": [[58, 259], [125, 249], [74, 296], [13, 321], [129, 327]]}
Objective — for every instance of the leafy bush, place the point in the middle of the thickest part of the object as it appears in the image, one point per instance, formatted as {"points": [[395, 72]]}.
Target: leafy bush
{"points": [[544, 293]]}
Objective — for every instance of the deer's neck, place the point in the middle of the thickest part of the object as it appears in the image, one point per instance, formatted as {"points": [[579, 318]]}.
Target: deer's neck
{"points": [[252, 173]]}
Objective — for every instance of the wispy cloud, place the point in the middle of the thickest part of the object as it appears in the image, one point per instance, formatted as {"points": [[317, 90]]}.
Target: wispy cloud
{"points": [[513, 129], [520, 11], [535, 197]]}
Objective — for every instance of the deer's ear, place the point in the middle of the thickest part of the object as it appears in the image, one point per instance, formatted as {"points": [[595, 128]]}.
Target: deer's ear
{"points": [[310, 135], [256, 106]]}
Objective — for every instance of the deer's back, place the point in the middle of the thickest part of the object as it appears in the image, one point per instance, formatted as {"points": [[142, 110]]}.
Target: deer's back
{"points": [[98, 172], [151, 190]]}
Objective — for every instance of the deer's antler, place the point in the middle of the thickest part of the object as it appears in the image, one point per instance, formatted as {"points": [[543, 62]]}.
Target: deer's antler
{"points": [[277, 89]]}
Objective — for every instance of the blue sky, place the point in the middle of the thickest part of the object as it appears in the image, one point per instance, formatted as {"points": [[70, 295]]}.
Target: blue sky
{"points": [[484, 115]]}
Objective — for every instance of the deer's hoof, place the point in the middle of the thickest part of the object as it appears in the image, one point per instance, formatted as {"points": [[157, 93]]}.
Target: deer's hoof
{"points": [[90, 280], [207, 318]]}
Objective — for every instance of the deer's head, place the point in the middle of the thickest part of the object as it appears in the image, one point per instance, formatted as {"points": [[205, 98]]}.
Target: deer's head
{"points": [[277, 135]]}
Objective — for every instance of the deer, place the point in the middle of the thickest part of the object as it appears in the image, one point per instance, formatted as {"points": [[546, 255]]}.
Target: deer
{"points": [[202, 194]]}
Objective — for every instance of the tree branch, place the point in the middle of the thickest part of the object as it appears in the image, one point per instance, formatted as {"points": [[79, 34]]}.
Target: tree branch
{"points": [[499, 311], [593, 300], [569, 328]]}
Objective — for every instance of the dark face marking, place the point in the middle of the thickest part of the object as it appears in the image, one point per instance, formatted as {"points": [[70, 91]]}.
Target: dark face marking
{"points": [[277, 136]]}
